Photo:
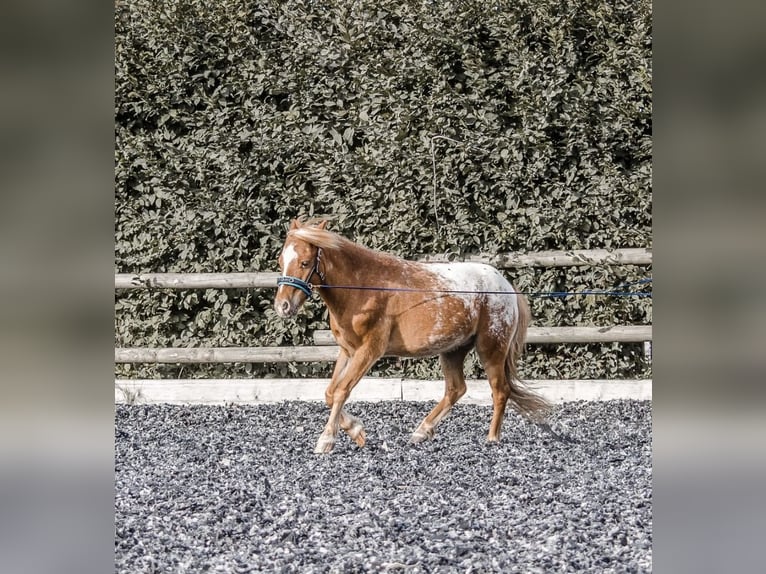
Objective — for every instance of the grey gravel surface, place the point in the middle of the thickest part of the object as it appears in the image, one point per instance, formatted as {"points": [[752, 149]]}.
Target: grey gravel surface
{"points": [[238, 489]]}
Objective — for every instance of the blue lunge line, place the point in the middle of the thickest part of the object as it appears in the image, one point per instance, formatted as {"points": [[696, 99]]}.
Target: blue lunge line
{"points": [[307, 288], [549, 294]]}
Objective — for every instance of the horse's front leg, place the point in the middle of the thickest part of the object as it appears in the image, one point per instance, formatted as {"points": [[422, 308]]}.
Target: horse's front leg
{"points": [[337, 393], [351, 424]]}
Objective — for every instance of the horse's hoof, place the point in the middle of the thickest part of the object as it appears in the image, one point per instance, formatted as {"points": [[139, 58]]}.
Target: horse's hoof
{"points": [[324, 445], [357, 433], [361, 438], [419, 436]]}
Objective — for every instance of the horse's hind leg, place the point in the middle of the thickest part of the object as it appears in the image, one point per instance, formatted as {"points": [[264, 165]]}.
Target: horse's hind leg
{"points": [[501, 390], [454, 388]]}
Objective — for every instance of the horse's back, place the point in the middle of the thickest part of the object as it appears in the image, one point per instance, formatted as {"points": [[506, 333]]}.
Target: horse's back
{"points": [[469, 276]]}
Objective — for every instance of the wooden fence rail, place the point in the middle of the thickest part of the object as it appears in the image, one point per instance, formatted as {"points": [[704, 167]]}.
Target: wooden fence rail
{"points": [[326, 350], [541, 335], [306, 354], [196, 281], [257, 280], [571, 258]]}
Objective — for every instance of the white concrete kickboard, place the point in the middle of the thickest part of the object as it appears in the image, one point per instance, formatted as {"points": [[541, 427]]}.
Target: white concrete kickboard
{"points": [[594, 390], [223, 391], [477, 392], [556, 391]]}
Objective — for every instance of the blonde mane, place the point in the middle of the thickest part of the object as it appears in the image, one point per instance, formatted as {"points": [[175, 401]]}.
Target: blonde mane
{"points": [[320, 237]]}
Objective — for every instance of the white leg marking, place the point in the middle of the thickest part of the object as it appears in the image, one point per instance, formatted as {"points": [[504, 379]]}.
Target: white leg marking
{"points": [[356, 428], [325, 444], [423, 432]]}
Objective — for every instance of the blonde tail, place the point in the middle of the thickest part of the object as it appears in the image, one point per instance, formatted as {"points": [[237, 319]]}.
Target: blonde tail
{"points": [[525, 401]]}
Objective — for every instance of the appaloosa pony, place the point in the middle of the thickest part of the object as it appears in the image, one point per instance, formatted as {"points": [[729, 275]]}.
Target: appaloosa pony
{"points": [[383, 305]]}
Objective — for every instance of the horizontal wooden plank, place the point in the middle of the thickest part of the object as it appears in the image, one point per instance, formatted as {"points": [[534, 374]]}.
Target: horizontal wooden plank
{"points": [[570, 258], [326, 350], [225, 354], [590, 334], [256, 280], [539, 335], [257, 391], [195, 280]]}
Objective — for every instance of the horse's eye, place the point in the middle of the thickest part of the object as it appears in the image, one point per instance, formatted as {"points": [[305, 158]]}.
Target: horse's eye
{"points": [[304, 264]]}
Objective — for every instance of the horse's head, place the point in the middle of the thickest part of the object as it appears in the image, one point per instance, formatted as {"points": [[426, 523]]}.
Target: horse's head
{"points": [[299, 264]]}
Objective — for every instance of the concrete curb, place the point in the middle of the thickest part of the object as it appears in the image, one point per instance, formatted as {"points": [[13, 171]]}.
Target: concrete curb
{"points": [[259, 391]]}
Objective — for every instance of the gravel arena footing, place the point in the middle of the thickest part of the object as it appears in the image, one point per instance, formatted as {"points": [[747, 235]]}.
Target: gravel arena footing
{"points": [[238, 488]]}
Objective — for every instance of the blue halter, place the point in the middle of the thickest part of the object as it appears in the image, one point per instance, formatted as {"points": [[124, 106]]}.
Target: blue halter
{"points": [[300, 284], [297, 283]]}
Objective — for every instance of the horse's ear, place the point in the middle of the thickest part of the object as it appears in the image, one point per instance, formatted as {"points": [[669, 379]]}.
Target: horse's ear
{"points": [[295, 224], [322, 224]]}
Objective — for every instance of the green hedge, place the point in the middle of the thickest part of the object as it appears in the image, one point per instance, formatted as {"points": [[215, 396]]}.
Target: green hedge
{"points": [[532, 118]]}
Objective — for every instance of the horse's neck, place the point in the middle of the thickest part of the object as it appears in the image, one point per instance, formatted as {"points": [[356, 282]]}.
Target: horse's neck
{"points": [[353, 266]]}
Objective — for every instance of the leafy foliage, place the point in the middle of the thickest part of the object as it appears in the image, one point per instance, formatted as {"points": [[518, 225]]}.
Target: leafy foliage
{"points": [[430, 127]]}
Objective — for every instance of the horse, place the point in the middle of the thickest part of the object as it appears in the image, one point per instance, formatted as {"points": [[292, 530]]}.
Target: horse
{"points": [[382, 305]]}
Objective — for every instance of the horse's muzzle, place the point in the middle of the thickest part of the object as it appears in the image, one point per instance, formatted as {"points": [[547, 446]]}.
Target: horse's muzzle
{"points": [[288, 304], [285, 308]]}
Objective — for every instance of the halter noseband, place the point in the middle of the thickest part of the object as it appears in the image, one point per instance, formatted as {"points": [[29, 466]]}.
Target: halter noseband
{"points": [[301, 284]]}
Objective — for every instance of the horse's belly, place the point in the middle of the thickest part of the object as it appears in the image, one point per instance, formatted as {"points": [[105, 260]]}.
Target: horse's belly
{"points": [[426, 347], [436, 328]]}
